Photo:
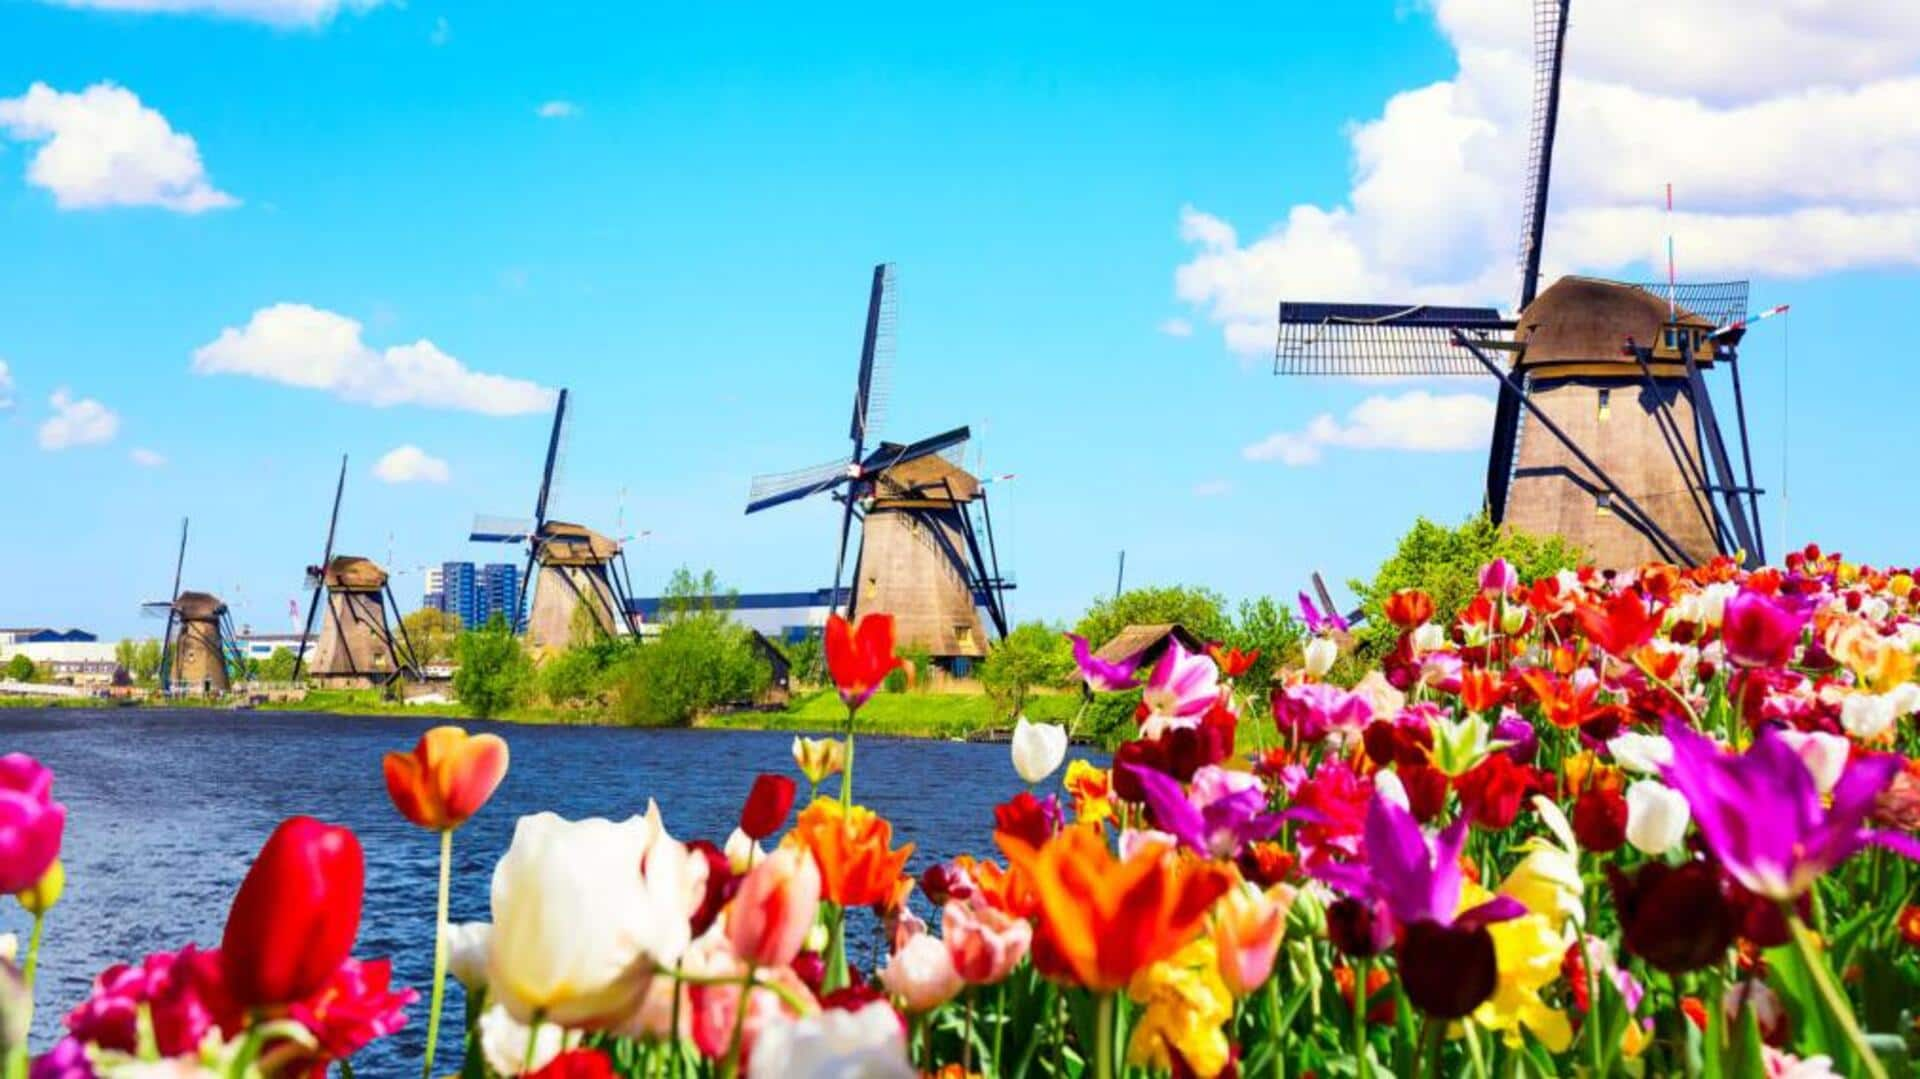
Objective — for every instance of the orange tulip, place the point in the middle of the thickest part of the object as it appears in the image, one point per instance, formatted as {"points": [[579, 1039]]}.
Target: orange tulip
{"points": [[1005, 890], [447, 778], [1103, 919], [851, 847], [1409, 608]]}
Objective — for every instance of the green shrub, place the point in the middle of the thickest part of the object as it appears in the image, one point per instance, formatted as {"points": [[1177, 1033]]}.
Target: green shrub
{"points": [[278, 667], [1033, 656], [1270, 626], [1201, 610], [699, 662], [495, 671], [19, 668], [1445, 563]]}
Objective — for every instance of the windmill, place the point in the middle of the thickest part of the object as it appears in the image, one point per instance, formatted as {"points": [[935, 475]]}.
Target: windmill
{"points": [[1605, 430], [356, 645], [194, 649], [921, 558], [577, 566]]}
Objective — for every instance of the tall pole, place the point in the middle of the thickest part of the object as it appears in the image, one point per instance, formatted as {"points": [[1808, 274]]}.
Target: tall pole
{"points": [[1120, 578]]}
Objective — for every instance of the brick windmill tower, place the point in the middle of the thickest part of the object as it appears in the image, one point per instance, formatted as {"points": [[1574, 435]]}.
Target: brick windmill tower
{"points": [[577, 566], [356, 647], [922, 556], [194, 653], [1605, 430]]}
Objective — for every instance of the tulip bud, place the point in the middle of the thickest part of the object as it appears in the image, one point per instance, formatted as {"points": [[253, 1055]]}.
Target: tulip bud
{"points": [[1498, 577], [1677, 919], [1358, 929], [447, 778], [819, 758], [1307, 916], [767, 806], [768, 920], [742, 852], [1038, 749], [1600, 820], [40, 898], [921, 974], [295, 916], [467, 954], [984, 944], [1513, 619], [1657, 816], [1825, 755], [1447, 971], [1319, 655]]}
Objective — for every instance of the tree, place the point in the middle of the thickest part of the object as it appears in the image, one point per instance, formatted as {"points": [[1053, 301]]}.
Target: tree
{"points": [[431, 633], [146, 661], [494, 669], [1270, 627], [1032, 655], [1201, 610], [278, 667], [1445, 564], [700, 660], [20, 668]]}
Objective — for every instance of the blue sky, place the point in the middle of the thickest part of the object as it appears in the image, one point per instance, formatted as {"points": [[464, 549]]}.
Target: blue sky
{"points": [[686, 246]]}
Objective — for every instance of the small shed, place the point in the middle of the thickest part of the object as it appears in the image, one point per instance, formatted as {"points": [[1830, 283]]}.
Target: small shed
{"points": [[1143, 645], [778, 666]]}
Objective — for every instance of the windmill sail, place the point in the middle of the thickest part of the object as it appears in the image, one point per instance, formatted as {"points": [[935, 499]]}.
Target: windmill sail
{"points": [[1380, 339], [875, 385]]}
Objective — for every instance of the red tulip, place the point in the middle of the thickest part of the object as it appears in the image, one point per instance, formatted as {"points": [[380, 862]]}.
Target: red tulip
{"points": [[447, 778], [1624, 624], [1409, 608], [577, 1064], [860, 656], [768, 804], [295, 916], [1232, 662]]}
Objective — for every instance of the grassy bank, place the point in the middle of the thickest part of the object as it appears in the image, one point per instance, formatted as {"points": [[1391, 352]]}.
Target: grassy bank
{"points": [[906, 715]]}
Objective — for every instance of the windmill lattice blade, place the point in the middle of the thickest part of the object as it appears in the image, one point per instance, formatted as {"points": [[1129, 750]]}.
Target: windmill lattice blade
{"points": [[779, 487], [875, 387], [889, 455], [1549, 48], [1719, 302], [490, 528], [1380, 339]]}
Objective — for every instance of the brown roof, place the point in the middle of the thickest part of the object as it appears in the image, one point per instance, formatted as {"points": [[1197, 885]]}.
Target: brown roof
{"points": [[199, 605], [351, 573], [927, 479], [1144, 644], [1588, 318], [563, 543]]}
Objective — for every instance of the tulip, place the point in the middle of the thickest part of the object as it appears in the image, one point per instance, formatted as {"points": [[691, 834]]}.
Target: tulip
{"points": [[1409, 607], [1319, 655], [30, 822], [1182, 687], [1248, 925], [921, 975], [1600, 820], [853, 849], [1677, 919], [868, 1042], [1232, 661], [1761, 631], [40, 898], [584, 912], [770, 916], [819, 758], [1657, 816], [1498, 577], [295, 916], [1643, 753], [513, 1048], [440, 785], [741, 852], [1100, 675], [985, 944], [1038, 749], [577, 1064], [447, 778], [467, 947], [860, 657], [767, 806], [1825, 755]]}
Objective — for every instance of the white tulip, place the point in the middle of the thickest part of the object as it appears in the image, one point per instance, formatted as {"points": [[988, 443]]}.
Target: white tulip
{"points": [[1643, 753], [1428, 638], [9, 947], [833, 1044], [1825, 755], [742, 852], [1388, 788], [467, 946], [1038, 749], [583, 911], [1866, 715], [1657, 816], [503, 1041], [1319, 656]]}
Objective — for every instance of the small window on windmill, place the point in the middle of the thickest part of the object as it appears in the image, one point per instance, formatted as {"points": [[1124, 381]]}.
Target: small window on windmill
{"points": [[1603, 504], [1673, 340], [963, 636], [1605, 402]]}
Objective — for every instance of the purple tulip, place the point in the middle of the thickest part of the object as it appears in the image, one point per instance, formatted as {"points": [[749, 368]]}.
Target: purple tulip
{"points": [[30, 822], [1220, 815], [1102, 676], [1417, 878], [1523, 741], [1321, 624], [1759, 630], [1761, 811], [1310, 711]]}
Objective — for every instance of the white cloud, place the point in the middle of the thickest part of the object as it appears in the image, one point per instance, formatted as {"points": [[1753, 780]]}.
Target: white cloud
{"points": [[146, 458], [1418, 421], [6, 385], [304, 346], [1212, 489], [283, 13], [104, 148], [558, 110], [1434, 210], [82, 422], [411, 464], [1176, 327]]}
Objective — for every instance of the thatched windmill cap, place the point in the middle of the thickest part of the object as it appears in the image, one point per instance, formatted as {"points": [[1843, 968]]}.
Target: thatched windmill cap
{"points": [[563, 543], [927, 479], [351, 573], [1589, 319], [199, 606]]}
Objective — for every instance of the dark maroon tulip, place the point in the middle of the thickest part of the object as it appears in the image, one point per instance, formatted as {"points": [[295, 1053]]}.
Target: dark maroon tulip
{"points": [[721, 884], [1675, 918], [768, 804], [1358, 928], [295, 916], [1600, 820], [1447, 971]]}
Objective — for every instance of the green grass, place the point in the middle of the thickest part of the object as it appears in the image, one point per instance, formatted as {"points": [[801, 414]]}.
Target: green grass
{"points": [[907, 715], [370, 702]]}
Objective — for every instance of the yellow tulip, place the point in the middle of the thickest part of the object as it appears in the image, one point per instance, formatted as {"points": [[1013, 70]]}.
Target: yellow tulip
{"points": [[819, 758], [40, 898], [1187, 1007]]}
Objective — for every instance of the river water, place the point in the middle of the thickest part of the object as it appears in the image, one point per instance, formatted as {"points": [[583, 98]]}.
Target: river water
{"points": [[165, 810]]}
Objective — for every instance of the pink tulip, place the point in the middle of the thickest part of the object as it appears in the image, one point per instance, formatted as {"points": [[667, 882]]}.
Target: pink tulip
{"points": [[1761, 631], [1182, 687], [985, 944], [30, 822], [1248, 925], [921, 974], [768, 921], [1498, 577]]}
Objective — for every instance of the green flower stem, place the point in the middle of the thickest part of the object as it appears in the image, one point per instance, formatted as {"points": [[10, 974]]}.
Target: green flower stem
{"points": [[739, 1023], [439, 953], [1362, 1060], [1831, 997], [999, 1024], [533, 1039], [1472, 1037], [1103, 1037], [1275, 1028], [33, 950], [846, 770], [836, 974]]}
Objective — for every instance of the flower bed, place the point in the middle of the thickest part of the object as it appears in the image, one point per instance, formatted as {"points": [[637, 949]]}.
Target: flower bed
{"points": [[1649, 823]]}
